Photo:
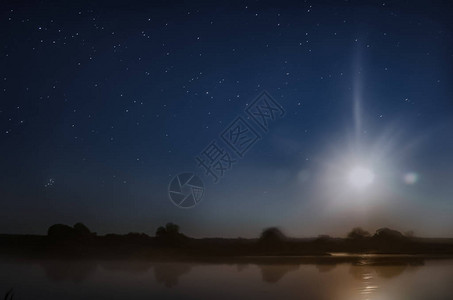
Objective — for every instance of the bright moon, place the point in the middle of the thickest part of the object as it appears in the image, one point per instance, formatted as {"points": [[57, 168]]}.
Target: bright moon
{"points": [[360, 177]]}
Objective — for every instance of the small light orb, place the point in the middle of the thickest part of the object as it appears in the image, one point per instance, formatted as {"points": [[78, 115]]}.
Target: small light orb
{"points": [[360, 177], [410, 178]]}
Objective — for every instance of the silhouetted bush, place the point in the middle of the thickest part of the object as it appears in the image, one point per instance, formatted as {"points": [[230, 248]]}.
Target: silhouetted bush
{"points": [[81, 229], [161, 232], [60, 231], [170, 234], [64, 231], [272, 235], [172, 229], [388, 234], [358, 233]]}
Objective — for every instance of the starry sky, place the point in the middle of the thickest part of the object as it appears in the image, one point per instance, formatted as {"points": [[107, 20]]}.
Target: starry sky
{"points": [[102, 103]]}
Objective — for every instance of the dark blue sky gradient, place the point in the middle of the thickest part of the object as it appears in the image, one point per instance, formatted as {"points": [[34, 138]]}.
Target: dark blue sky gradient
{"points": [[108, 100]]}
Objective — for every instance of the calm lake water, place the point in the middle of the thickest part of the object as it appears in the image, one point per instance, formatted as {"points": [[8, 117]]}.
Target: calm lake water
{"points": [[53, 279]]}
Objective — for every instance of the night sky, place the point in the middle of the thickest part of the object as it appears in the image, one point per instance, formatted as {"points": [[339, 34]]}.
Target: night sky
{"points": [[102, 103]]}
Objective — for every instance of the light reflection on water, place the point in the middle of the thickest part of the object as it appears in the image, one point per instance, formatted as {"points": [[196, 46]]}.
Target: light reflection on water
{"points": [[366, 278], [368, 287]]}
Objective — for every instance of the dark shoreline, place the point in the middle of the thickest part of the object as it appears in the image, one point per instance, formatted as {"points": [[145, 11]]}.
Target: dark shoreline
{"points": [[140, 246]]}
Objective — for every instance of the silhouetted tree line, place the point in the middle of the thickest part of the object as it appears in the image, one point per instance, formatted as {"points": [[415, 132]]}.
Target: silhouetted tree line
{"points": [[79, 240]]}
